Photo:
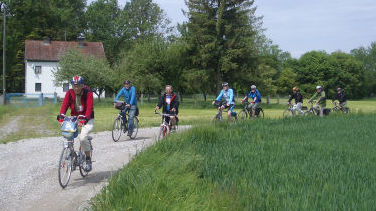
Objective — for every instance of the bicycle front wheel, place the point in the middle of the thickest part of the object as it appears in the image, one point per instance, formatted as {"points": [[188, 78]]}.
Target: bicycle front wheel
{"points": [[65, 166], [287, 113], [260, 114], [163, 131], [135, 128], [82, 164], [243, 115], [117, 129]]}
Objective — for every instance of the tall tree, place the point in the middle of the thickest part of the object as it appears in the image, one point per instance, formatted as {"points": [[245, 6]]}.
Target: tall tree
{"points": [[221, 36], [104, 25]]}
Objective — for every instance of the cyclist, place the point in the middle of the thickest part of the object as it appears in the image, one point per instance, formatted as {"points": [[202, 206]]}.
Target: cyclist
{"points": [[341, 97], [129, 93], [255, 96], [298, 101], [80, 101], [228, 95], [169, 102], [320, 100]]}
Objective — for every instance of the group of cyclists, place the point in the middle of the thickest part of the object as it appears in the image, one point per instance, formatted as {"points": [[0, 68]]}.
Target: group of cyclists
{"points": [[80, 101]]}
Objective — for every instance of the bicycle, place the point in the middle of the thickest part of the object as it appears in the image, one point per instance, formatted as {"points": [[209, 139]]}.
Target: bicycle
{"points": [[312, 111], [246, 113], [337, 108], [165, 127], [291, 111], [119, 126], [218, 117], [69, 158]]}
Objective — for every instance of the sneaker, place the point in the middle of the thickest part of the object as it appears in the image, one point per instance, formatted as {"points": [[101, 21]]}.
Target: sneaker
{"points": [[88, 165]]}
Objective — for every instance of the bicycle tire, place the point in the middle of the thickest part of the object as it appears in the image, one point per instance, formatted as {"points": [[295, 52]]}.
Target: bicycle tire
{"points": [[65, 164], [135, 128], [287, 113], [260, 114], [82, 164], [309, 113], [162, 132], [117, 129], [243, 115]]}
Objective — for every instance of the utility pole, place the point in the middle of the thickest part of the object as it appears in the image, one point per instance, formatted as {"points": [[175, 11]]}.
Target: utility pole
{"points": [[4, 51]]}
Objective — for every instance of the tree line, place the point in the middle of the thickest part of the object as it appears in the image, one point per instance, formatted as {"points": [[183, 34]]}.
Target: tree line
{"points": [[222, 40]]}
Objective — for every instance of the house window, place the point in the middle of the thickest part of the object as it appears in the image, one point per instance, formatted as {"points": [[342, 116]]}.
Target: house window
{"points": [[38, 69], [38, 87], [65, 87]]}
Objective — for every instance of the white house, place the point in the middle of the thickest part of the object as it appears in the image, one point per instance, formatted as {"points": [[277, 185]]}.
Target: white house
{"points": [[42, 58]]}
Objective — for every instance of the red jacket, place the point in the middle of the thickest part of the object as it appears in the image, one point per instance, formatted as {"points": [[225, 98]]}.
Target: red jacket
{"points": [[86, 102]]}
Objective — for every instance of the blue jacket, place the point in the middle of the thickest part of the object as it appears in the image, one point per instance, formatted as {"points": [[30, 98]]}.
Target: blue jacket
{"points": [[228, 95], [253, 95], [129, 95]]}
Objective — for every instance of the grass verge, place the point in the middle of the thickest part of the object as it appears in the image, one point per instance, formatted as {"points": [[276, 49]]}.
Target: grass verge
{"points": [[290, 164]]}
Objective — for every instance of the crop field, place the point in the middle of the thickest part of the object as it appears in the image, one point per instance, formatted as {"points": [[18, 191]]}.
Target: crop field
{"points": [[290, 164]]}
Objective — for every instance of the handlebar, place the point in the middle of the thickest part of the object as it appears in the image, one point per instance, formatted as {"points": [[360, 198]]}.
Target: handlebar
{"points": [[168, 115]]}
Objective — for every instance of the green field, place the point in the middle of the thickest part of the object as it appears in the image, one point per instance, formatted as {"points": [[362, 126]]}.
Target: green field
{"points": [[41, 121], [274, 164]]}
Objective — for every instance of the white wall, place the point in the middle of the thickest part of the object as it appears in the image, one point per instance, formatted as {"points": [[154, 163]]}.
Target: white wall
{"points": [[46, 78]]}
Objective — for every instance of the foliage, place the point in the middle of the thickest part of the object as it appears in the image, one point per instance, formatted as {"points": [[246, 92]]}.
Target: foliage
{"points": [[220, 167], [97, 73]]}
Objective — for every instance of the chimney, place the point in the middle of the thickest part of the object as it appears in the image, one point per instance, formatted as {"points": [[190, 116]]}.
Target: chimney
{"points": [[46, 41], [81, 40]]}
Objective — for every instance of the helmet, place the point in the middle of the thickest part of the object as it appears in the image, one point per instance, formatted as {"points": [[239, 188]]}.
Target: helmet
{"points": [[127, 82], [295, 89], [318, 87], [224, 84], [253, 87], [77, 80], [339, 89]]}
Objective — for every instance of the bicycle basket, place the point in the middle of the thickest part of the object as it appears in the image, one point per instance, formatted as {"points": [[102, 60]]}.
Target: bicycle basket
{"points": [[120, 106], [69, 129]]}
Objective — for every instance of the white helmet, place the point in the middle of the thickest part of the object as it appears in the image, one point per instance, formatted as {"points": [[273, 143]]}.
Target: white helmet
{"points": [[318, 87], [253, 87]]}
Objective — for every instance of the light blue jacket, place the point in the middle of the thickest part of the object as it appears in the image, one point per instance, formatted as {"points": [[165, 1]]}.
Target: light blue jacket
{"points": [[129, 95], [228, 95]]}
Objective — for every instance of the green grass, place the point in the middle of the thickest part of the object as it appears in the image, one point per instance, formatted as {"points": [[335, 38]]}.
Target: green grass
{"points": [[191, 113], [275, 164]]}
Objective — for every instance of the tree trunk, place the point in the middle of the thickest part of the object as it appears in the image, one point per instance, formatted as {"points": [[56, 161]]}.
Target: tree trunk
{"points": [[148, 97], [277, 99], [268, 100], [142, 98], [204, 94]]}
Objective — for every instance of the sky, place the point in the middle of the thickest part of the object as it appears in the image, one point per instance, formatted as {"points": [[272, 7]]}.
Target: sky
{"points": [[299, 26]]}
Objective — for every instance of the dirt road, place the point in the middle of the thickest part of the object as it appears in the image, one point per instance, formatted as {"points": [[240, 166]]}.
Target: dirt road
{"points": [[28, 171]]}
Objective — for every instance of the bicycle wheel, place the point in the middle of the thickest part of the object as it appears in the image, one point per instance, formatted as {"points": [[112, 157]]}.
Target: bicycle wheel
{"points": [[287, 113], [65, 167], [163, 131], [260, 114], [346, 110], [117, 129], [135, 128], [309, 113], [243, 115], [82, 163]]}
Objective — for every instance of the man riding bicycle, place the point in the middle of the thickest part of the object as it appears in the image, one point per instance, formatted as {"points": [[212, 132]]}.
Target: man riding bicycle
{"points": [[169, 102], [228, 95], [298, 101], [341, 97], [320, 100], [80, 101], [129, 93], [255, 96]]}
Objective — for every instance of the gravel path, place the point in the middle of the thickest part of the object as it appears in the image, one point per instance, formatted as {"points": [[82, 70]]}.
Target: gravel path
{"points": [[28, 171]]}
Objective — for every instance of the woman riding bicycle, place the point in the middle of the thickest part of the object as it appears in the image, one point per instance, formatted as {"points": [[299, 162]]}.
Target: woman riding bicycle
{"points": [[298, 101], [169, 102], [228, 95], [80, 101]]}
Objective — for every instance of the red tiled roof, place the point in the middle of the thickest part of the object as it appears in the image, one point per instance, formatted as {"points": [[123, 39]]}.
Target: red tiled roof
{"points": [[38, 50]]}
